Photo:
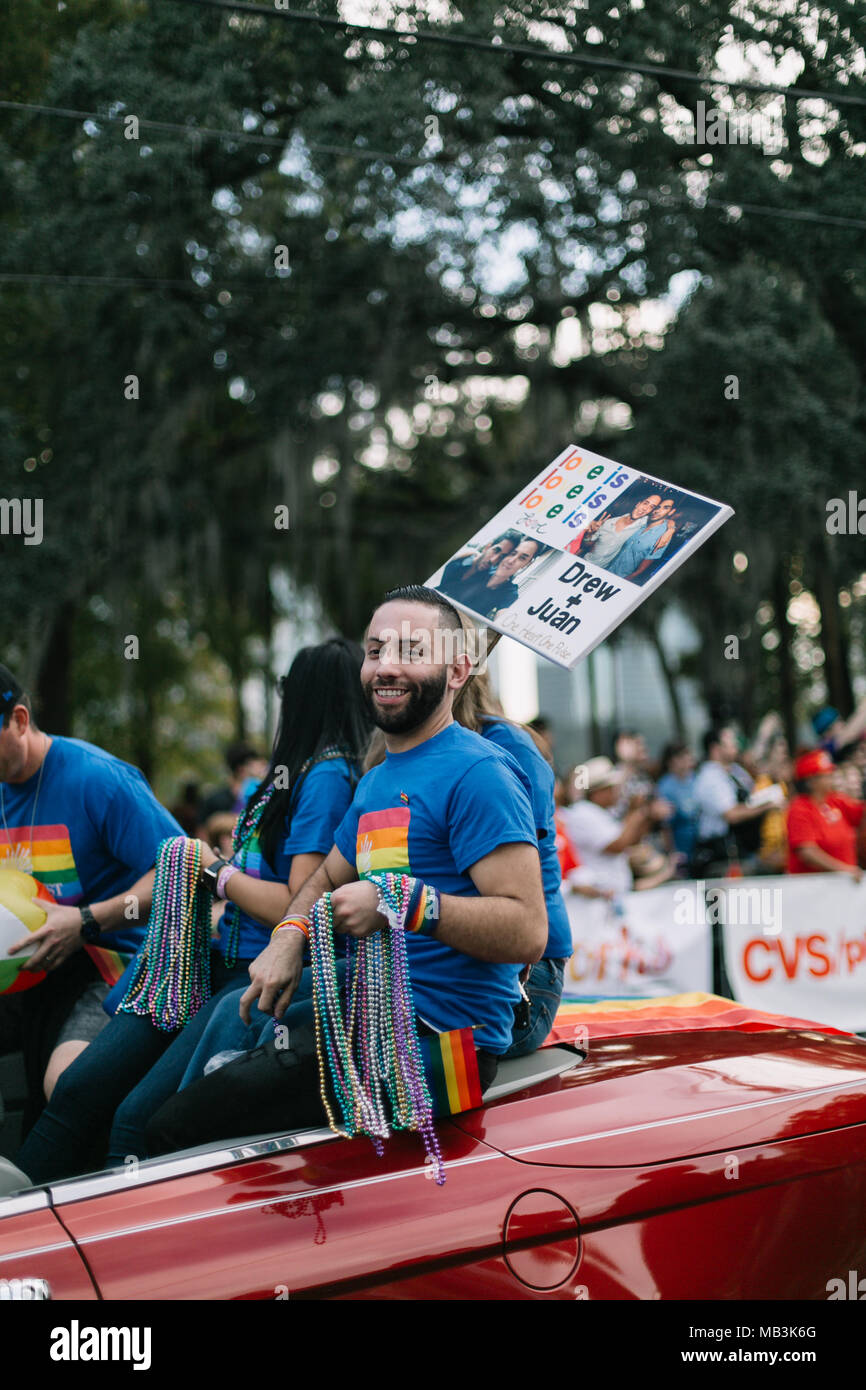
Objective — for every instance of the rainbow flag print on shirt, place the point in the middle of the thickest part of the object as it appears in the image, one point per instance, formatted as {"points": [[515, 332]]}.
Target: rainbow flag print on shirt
{"points": [[382, 842], [50, 862]]}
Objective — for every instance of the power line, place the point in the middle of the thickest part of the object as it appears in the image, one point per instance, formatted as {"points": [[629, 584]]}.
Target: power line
{"points": [[826, 219], [789, 214], [200, 131], [547, 55]]}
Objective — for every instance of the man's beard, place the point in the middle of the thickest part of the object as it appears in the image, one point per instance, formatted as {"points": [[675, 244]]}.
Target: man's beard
{"points": [[421, 703]]}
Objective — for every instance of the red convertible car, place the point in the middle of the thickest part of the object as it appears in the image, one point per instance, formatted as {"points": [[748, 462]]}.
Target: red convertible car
{"points": [[708, 1163]]}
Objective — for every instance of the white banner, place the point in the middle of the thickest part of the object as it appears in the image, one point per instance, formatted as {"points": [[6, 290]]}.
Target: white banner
{"points": [[639, 945], [796, 945]]}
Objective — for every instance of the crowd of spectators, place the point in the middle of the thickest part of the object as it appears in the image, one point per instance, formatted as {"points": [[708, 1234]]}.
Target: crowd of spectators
{"points": [[730, 808]]}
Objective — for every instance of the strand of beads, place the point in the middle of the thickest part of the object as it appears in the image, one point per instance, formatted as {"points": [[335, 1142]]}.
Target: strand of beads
{"points": [[367, 1043], [172, 978]]}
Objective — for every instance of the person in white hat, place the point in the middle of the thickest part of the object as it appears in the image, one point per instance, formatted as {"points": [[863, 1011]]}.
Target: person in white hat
{"points": [[601, 840]]}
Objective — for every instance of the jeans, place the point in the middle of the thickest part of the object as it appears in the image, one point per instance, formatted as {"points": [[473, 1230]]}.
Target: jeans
{"points": [[225, 1030], [274, 1088], [544, 988], [129, 1055]]}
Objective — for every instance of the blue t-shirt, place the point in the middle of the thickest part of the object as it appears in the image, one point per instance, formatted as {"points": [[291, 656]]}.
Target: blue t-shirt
{"points": [[96, 828], [519, 746], [433, 812], [680, 792], [638, 548], [317, 806]]}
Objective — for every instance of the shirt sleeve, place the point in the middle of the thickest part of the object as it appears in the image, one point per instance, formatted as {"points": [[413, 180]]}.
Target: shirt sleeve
{"points": [[129, 819], [591, 827], [324, 797], [852, 810], [488, 807], [346, 833], [801, 824]]}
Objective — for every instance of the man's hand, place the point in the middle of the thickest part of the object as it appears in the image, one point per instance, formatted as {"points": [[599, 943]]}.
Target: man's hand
{"points": [[356, 909], [208, 855], [275, 975], [56, 941]]}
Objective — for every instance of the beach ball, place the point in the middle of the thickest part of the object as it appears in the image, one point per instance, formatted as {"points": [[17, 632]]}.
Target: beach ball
{"points": [[20, 913]]}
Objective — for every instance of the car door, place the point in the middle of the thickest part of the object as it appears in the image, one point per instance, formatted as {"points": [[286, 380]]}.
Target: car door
{"points": [[38, 1257], [306, 1216]]}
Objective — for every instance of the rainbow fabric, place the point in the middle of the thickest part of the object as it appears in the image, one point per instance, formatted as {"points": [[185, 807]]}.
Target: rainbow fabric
{"points": [[382, 841], [611, 1018], [52, 858], [451, 1069], [110, 964]]}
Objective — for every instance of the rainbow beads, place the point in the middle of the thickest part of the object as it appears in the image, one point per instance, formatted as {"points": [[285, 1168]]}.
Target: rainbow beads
{"points": [[172, 978], [367, 1043]]}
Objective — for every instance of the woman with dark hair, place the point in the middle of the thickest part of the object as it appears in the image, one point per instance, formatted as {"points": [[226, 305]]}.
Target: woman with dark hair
{"points": [[283, 834]]}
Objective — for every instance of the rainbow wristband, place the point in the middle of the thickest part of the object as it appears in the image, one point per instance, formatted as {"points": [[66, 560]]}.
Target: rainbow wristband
{"points": [[422, 912], [301, 924]]}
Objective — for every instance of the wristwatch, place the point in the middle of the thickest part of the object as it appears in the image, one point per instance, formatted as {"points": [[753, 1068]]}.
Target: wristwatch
{"points": [[90, 932], [208, 877]]}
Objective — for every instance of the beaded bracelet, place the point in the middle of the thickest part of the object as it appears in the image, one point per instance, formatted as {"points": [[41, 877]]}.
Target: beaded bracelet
{"points": [[225, 874], [301, 924]]}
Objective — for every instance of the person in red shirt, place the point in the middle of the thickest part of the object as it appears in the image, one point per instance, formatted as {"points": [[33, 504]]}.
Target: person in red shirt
{"points": [[822, 823]]}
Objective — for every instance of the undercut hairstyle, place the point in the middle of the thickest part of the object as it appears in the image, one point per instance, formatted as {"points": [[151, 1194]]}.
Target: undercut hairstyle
{"points": [[449, 618]]}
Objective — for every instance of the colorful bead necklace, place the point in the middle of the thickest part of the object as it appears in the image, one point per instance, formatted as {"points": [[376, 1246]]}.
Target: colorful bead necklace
{"points": [[244, 842], [171, 980], [367, 1044]]}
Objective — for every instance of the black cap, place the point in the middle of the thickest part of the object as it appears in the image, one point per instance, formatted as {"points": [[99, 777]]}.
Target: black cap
{"points": [[11, 691]]}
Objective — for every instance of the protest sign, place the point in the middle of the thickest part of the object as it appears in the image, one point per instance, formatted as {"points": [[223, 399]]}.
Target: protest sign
{"points": [[575, 552], [636, 945]]}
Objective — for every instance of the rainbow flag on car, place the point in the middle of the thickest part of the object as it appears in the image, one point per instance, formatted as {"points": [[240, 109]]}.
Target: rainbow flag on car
{"points": [[451, 1069], [611, 1018]]}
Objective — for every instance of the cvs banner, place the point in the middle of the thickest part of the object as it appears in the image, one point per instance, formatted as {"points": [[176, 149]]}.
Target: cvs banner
{"points": [[807, 956]]}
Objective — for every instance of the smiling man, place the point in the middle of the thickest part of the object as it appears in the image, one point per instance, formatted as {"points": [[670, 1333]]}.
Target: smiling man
{"points": [[447, 808]]}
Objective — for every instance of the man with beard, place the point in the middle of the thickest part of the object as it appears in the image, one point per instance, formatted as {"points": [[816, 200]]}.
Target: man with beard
{"points": [[496, 589], [463, 569], [605, 537], [446, 807], [646, 547]]}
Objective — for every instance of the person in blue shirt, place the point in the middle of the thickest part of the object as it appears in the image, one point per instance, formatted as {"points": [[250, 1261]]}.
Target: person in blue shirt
{"points": [[87, 826], [284, 832], [477, 708], [446, 807], [677, 786], [643, 550], [464, 568]]}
